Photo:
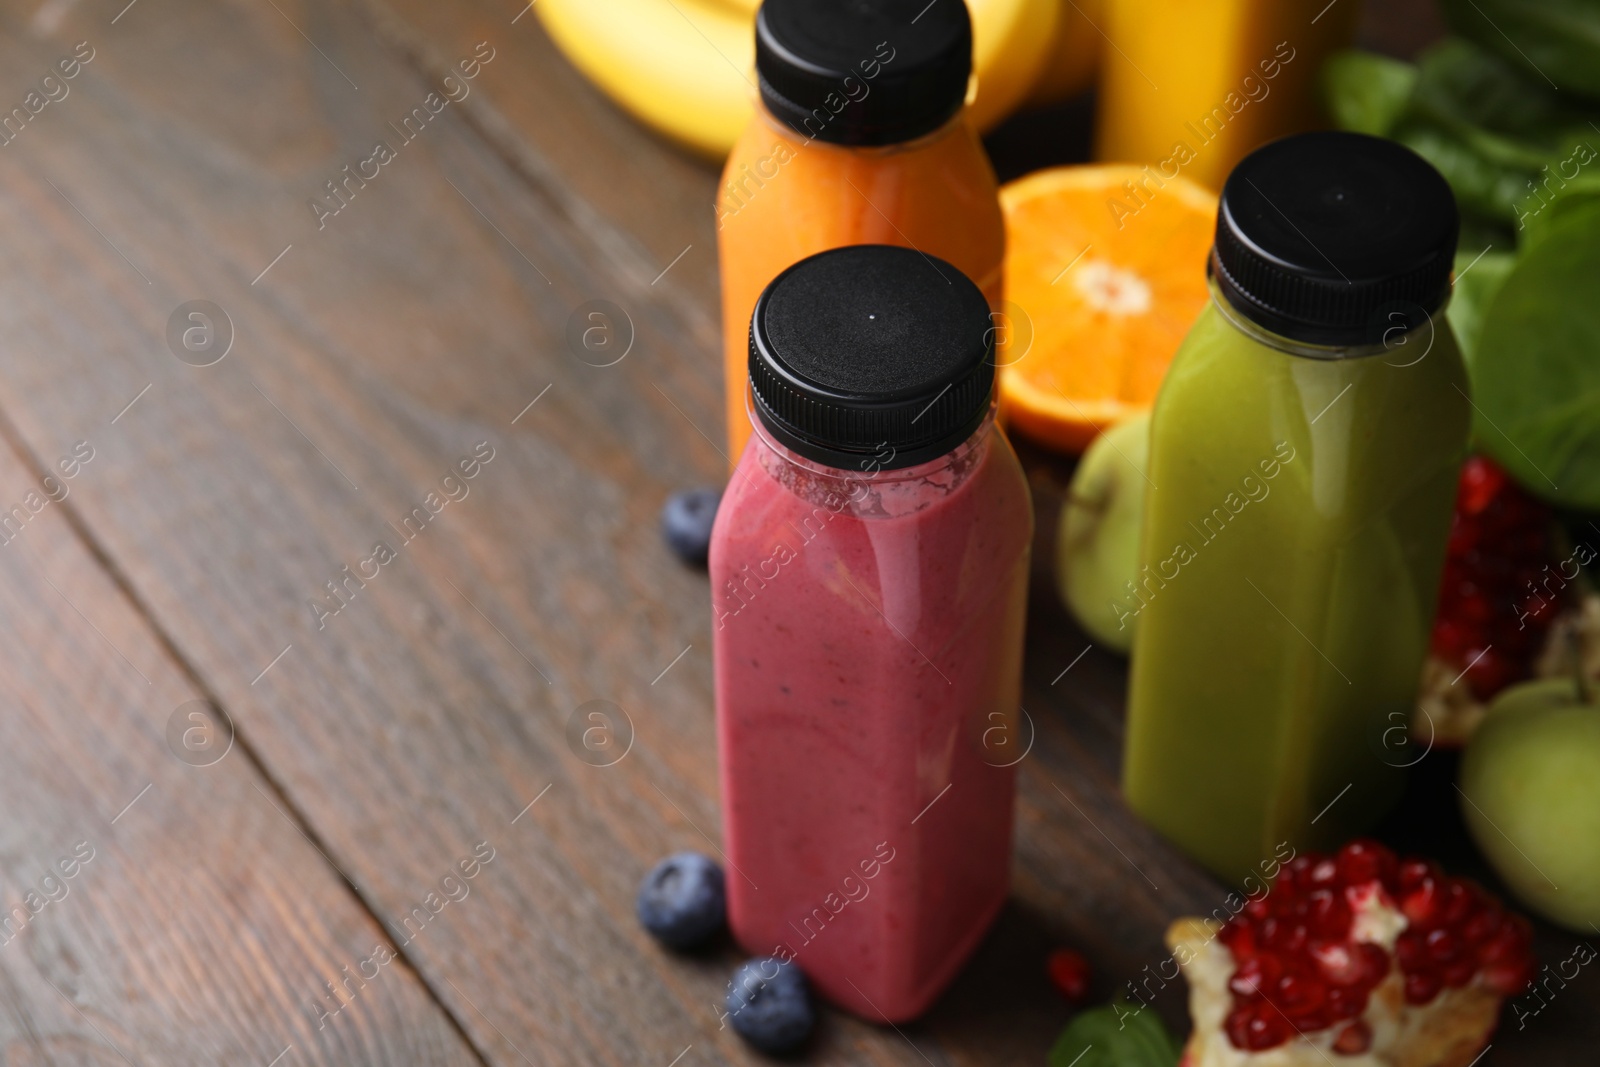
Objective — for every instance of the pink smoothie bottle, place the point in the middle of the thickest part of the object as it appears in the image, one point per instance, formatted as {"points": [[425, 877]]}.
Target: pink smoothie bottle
{"points": [[869, 571]]}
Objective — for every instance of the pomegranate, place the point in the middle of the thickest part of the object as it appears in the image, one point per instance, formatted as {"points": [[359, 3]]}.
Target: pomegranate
{"points": [[1355, 953], [1501, 589]]}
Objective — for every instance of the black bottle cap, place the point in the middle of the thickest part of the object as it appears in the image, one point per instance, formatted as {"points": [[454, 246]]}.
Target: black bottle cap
{"points": [[863, 72], [1335, 238], [871, 356]]}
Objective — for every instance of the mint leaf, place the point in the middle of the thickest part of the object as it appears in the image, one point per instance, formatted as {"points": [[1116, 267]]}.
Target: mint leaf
{"points": [[1117, 1035]]}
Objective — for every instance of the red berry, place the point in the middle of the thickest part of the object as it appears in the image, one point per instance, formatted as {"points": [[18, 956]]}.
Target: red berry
{"points": [[1070, 973]]}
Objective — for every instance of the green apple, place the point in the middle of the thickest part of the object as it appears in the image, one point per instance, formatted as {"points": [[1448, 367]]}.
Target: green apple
{"points": [[1097, 542], [1530, 788]]}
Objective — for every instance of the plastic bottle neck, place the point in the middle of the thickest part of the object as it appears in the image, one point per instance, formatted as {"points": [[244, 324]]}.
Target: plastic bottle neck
{"points": [[1397, 341], [872, 489]]}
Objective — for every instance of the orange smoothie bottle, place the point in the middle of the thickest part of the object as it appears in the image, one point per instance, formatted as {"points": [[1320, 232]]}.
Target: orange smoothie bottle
{"points": [[1193, 86], [860, 138]]}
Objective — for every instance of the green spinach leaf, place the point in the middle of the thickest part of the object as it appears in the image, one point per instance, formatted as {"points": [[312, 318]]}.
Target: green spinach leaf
{"points": [[1544, 212], [1117, 1035], [1555, 41], [1536, 371], [1479, 276], [1366, 92], [1504, 116], [1491, 190]]}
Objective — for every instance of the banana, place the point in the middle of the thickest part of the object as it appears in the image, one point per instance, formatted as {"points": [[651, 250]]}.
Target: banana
{"points": [[1074, 57], [686, 67], [1011, 42]]}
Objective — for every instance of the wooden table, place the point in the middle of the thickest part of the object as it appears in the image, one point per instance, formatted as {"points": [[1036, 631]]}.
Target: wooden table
{"points": [[279, 748]]}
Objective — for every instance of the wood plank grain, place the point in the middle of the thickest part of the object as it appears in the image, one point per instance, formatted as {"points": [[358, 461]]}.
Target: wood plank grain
{"points": [[157, 909], [372, 353]]}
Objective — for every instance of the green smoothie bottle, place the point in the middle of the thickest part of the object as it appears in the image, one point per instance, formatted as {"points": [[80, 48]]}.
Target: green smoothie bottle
{"points": [[1303, 458]]}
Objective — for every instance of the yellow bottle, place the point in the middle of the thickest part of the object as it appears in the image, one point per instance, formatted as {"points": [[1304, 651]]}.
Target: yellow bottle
{"points": [[1193, 86]]}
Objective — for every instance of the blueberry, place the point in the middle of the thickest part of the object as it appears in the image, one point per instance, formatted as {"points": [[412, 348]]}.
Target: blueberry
{"points": [[686, 520], [769, 1004], [682, 901]]}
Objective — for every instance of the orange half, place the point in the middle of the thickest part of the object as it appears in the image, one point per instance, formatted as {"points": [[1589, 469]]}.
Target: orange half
{"points": [[1105, 273]]}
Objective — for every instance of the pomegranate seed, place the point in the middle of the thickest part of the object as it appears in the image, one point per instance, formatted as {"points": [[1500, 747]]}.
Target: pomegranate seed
{"points": [[1482, 926], [1457, 974], [1237, 1026], [1508, 945], [1364, 860], [1410, 950], [1237, 936], [1311, 1021], [1323, 873], [1255, 975], [1457, 903], [1336, 962], [1481, 482], [1292, 875], [1374, 962], [1421, 905], [1329, 915], [1346, 1002], [1353, 1040], [1494, 609], [1412, 872], [1296, 937], [1297, 994], [1262, 1028], [1509, 979], [1070, 973], [1421, 987], [1443, 945]]}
